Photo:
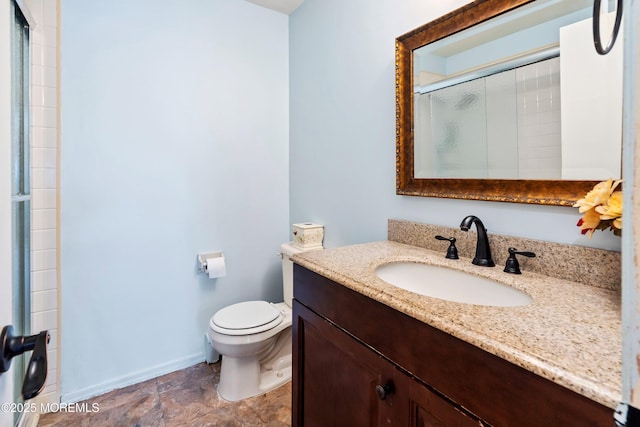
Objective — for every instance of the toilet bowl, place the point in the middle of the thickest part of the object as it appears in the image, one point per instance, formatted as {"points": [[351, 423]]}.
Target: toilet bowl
{"points": [[254, 339]]}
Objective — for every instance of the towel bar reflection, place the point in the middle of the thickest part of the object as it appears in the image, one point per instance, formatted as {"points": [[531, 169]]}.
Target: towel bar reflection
{"points": [[597, 40]]}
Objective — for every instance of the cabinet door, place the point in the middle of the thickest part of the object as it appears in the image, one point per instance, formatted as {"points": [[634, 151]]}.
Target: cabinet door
{"points": [[337, 380], [430, 410]]}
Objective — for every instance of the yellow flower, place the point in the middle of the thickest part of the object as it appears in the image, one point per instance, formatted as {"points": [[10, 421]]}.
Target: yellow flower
{"points": [[602, 208], [612, 209], [589, 221], [597, 196], [617, 223]]}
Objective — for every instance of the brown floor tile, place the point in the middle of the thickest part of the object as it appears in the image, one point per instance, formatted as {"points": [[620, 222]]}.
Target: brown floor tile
{"points": [[183, 398]]}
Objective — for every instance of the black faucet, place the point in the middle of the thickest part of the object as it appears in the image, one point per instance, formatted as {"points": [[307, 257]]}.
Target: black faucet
{"points": [[483, 251]]}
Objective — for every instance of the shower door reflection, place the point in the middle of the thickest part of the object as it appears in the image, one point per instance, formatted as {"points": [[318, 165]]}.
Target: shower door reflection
{"points": [[503, 126]]}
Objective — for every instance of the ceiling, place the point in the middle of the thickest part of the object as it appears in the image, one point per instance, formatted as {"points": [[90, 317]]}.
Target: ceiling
{"points": [[283, 6]]}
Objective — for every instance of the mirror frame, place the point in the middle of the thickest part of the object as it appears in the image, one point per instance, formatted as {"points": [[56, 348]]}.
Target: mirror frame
{"points": [[544, 192]]}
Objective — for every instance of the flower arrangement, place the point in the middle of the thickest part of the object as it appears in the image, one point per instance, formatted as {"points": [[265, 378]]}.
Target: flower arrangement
{"points": [[602, 208]]}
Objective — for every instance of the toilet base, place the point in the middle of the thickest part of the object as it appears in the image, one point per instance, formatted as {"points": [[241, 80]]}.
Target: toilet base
{"points": [[244, 377]]}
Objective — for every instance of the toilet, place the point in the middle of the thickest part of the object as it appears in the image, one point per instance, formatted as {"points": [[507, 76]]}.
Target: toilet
{"points": [[254, 339]]}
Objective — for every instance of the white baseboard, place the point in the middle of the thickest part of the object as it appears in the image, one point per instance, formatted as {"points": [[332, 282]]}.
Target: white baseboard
{"points": [[130, 379]]}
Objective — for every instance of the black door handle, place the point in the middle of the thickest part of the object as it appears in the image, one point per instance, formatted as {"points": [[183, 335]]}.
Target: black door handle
{"points": [[12, 346], [384, 390]]}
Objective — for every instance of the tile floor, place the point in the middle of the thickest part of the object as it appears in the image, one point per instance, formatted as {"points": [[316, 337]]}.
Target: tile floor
{"points": [[183, 399]]}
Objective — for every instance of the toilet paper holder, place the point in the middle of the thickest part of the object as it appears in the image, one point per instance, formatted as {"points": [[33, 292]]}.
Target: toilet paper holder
{"points": [[202, 260]]}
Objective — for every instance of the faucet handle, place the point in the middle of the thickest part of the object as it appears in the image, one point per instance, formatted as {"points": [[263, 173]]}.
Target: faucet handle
{"points": [[452, 251], [512, 265]]}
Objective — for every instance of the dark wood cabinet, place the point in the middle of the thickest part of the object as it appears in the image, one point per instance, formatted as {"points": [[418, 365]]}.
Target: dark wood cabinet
{"points": [[426, 409], [357, 362], [338, 371], [348, 384]]}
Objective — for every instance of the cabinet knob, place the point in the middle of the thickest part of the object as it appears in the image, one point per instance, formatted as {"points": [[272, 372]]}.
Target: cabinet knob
{"points": [[384, 390]]}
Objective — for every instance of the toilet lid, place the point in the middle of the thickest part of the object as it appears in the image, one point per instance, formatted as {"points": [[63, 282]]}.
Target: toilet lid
{"points": [[256, 316]]}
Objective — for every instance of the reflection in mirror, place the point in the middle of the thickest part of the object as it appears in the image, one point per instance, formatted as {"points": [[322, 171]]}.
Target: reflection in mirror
{"points": [[520, 97], [523, 35], [490, 128]]}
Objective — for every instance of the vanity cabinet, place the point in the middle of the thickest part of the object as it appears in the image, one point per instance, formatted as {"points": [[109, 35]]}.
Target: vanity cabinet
{"points": [[345, 383], [358, 362]]}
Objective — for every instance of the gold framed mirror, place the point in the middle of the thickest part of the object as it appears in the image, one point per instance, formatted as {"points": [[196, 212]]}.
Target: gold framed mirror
{"points": [[561, 192]]}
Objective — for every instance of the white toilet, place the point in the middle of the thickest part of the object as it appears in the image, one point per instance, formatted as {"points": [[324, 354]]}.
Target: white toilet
{"points": [[254, 339]]}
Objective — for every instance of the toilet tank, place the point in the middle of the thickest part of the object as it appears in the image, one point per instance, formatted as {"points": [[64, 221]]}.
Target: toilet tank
{"points": [[288, 250]]}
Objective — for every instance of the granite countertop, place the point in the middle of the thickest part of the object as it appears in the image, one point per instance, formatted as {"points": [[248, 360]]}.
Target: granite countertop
{"points": [[569, 334]]}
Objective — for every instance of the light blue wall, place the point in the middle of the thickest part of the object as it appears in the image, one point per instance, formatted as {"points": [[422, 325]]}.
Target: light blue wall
{"points": [[174, 141], [342, 138]]}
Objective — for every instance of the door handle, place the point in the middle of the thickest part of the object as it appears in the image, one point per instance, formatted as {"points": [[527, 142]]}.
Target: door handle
{"points": [[36, 373], [383, 391]]}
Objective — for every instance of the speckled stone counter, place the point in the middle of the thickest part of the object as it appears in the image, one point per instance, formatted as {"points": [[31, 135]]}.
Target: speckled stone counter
{"points": [[569, 334], [595, 267]]}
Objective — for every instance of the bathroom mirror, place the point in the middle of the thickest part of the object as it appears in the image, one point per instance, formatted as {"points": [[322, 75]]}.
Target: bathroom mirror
{"points": [[498, 100]]}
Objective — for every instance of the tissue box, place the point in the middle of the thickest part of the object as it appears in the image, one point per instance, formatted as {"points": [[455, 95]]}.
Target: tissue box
{"points": [[308, 235]]}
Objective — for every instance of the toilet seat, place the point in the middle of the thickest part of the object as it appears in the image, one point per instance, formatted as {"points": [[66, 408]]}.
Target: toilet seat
{"points": [[244, 318]]}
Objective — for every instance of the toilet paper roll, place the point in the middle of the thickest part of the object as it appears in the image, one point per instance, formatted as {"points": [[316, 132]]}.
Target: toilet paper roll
{"points": [[216, 267]]}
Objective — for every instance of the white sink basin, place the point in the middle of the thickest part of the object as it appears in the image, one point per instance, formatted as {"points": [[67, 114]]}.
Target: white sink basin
{"points": [[451, 285]]}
